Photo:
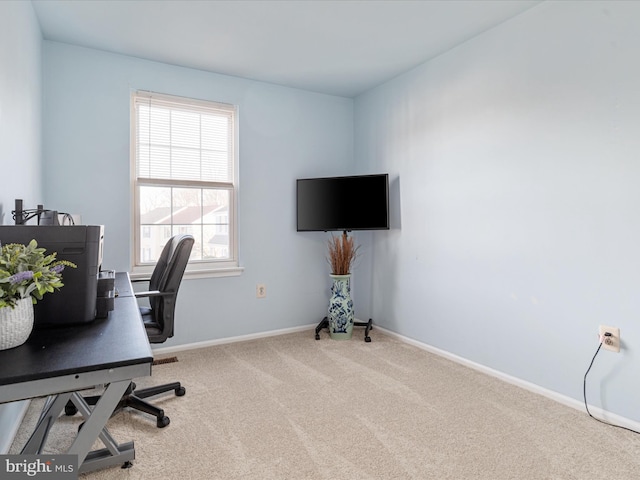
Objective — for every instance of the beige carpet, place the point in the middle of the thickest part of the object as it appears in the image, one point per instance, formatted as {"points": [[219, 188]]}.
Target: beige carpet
{"points": [[291, 407]]}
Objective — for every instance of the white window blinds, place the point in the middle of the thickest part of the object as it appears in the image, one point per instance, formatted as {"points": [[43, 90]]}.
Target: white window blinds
{"points": [[186, 140]]}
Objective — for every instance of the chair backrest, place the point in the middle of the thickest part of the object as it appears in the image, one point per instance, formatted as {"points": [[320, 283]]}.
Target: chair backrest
{"points": [[166, 278]]}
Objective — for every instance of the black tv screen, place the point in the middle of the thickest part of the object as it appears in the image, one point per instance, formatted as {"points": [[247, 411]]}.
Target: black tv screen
{"points": [[359, 202]]}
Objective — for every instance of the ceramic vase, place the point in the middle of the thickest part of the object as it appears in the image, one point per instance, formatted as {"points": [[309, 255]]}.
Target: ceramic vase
{"points": [[16, 323], [341, 314]]}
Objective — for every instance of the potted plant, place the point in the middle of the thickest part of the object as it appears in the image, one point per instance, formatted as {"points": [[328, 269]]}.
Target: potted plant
{"points": [[342, 254], [26, 274]]}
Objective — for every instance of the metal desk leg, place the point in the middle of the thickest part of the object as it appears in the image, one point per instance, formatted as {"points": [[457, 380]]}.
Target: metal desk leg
{"points": [[50, 412], [94, 427]]}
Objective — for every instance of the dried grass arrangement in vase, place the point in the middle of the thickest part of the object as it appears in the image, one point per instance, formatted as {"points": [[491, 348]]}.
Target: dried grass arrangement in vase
{"points": [[342, 254]]}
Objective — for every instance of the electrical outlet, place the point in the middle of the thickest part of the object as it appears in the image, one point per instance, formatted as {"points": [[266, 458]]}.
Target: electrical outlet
{"points": [[261, 290], [610, 342]]}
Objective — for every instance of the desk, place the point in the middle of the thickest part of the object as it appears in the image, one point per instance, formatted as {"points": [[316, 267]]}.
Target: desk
{"points": [[61, 361]]}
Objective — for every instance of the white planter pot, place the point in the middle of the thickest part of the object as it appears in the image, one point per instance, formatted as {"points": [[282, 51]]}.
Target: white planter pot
{"points": [[16, 324]]}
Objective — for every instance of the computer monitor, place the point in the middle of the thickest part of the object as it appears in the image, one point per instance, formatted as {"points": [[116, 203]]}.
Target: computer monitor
{"points": [[75, 302]]}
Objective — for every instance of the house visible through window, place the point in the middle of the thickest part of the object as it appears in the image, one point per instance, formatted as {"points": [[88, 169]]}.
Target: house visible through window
{"points": [[185, 163]]}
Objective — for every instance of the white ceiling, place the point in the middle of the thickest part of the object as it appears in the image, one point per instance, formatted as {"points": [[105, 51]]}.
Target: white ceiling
{"points": [[339, 47]]}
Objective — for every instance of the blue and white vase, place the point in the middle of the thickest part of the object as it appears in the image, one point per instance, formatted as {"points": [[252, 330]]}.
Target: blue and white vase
{"points": [[341, 314]]}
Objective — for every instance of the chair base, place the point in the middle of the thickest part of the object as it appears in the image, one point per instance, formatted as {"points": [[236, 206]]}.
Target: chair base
{"points": [[133, 398]]}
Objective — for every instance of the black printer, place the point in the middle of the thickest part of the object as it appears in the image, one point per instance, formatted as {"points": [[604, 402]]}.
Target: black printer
{"points": [[75, 302]]}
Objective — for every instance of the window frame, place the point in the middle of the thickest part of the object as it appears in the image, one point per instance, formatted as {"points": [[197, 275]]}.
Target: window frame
{"points": [[197, 268]]}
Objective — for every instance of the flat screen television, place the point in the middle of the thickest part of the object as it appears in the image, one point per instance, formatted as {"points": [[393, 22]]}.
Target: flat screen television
{"points": [[359, 202]]}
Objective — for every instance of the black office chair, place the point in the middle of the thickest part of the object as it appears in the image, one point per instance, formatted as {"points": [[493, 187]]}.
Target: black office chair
{"points": [[158, 321], [159, 317]]}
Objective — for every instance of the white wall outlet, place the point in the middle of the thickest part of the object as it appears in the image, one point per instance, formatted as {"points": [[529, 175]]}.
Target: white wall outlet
{"points": [[261, 290], [610, 342]]}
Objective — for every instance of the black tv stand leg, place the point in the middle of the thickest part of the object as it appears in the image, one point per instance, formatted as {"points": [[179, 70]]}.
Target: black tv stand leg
{"points": [[368, 326], [324, 323]]}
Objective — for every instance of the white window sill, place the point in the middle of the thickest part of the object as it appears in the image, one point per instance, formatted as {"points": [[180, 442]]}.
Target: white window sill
{"points": [[191, 273]]}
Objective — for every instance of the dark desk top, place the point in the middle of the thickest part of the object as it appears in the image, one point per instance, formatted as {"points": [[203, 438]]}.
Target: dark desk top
{"points": [[116, 341]]}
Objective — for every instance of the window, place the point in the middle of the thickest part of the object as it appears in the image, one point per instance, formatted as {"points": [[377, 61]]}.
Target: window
{"points": [[184, 159]]}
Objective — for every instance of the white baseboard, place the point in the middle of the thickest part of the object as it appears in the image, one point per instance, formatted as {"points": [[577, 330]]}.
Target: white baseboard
{"points": [[597, 412], [224, 341]]}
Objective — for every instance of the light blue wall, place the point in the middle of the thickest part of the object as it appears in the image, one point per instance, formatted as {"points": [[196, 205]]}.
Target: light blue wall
{"points": [[284, 134], [514, 182], [20, 153], [20, 106], [515, 158]]}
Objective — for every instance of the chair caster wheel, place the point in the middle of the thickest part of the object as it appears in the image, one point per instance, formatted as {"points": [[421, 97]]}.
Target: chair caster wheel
{"points": [[163, 422], [70, 410], [317, 336], [180, 391], [367, 339], [127, 464]]}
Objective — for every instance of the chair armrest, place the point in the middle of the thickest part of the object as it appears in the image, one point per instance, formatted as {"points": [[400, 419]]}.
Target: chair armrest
{"points": [[138, 280], [151, 293]]}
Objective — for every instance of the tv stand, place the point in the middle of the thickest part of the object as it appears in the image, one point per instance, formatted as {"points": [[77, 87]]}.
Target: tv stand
{"points": [[324, 323]]}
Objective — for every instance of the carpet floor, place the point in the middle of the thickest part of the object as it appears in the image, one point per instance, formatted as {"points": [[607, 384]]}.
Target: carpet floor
{"points": [[291, 407]]}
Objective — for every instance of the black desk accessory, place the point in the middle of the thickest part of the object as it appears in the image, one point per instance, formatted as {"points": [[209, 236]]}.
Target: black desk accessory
{"points": [[75, 302]]}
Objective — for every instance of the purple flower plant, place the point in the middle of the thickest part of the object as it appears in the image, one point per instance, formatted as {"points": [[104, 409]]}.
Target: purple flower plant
{"points": [[28, 271], [57, 268], [21, 277]]}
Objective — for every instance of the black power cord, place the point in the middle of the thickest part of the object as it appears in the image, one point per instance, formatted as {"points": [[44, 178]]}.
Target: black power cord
{"points": [[23, 216], [584, 389]]}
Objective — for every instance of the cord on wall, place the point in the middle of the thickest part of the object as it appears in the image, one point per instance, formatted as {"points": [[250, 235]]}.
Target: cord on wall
{"points": [[584, 388]]}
